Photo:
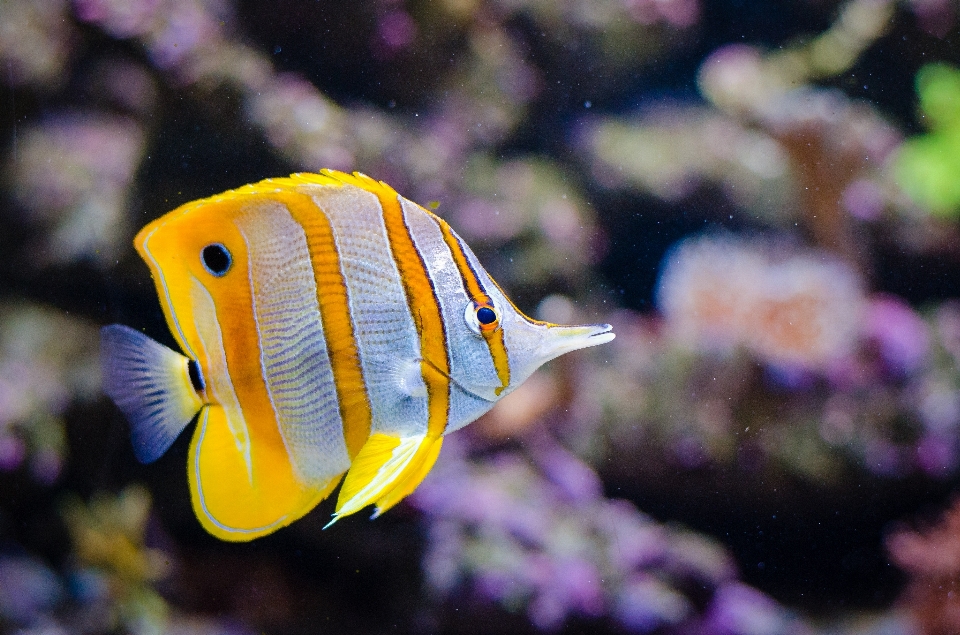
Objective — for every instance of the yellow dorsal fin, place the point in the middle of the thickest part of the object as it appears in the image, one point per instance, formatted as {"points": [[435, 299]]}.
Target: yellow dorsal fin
{"points": [[332, 178], [327, 177], [357, 179], [386, 469]]}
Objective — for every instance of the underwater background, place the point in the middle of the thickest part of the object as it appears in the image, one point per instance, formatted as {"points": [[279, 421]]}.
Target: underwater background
{"points": [[762, 197]]}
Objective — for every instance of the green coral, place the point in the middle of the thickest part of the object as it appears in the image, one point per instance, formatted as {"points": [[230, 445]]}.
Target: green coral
{"points": [[928, 166], [108, 544]]}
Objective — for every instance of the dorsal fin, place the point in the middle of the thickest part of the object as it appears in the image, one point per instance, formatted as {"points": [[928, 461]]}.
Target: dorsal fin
{"points": [[332, 178]]}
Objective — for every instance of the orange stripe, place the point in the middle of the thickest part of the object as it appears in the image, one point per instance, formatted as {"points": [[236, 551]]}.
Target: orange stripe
{"points": [[518, 311], [498, 348], [333, 298], [425, 308], [216, 466]]}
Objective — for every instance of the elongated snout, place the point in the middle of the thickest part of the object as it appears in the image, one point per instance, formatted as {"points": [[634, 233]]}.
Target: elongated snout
{"points": [[563, 339]]}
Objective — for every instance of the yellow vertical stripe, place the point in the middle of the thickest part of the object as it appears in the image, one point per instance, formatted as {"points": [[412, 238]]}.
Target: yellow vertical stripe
{"points": [[498, 348], [334, 302], [224, 499], [424, 306]]}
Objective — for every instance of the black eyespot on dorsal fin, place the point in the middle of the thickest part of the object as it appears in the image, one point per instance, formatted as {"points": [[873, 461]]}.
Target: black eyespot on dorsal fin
{"points": [[196, 377]]}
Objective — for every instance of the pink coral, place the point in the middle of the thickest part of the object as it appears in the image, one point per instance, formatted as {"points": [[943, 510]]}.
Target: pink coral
{"points": [[931, 558], [788, 307]]}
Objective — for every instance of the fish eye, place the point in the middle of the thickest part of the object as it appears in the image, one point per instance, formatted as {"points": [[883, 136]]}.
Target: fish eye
{"points": [[486, 315], [216, 259], [482, 318]]}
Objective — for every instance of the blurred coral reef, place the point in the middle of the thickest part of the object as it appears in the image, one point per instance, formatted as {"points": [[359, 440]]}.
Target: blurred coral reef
{"points": [[47, 360], [761, 198], [537, 532], [72, 177], [931, 558], [799, 310]]}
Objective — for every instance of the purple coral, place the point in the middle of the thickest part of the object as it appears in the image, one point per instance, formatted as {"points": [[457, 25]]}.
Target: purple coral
{"points": [[548, 541]]}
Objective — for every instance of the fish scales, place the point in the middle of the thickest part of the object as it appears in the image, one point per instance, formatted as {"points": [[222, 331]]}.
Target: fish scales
{"points": [[252, 487], [383, 324], [333, 297], [294, 360]]}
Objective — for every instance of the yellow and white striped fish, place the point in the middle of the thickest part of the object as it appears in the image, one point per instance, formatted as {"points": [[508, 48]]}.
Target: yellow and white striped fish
{"points": [[330, 326]]}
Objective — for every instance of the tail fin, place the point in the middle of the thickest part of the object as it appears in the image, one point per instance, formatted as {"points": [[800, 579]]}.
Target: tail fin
{"points": [[151, 385], [386, 470]]}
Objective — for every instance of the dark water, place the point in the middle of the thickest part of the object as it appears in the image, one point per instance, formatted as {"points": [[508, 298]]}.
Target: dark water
{"points": [[777, 417]]}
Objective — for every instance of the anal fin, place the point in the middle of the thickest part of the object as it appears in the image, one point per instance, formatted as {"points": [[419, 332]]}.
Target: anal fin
{"points": [[239, 501], [386, 470]]}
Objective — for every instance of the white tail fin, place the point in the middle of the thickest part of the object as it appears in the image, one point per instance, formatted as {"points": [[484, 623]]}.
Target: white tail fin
{"points": [[151, 385]]}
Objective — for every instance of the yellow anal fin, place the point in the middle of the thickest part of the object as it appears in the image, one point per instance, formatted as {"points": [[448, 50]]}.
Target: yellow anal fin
{"points": [[387, 469], [239, 504]]}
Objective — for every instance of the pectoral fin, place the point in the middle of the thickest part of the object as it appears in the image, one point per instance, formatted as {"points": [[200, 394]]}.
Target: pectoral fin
{"points": [[387, 469], [239, 497]]}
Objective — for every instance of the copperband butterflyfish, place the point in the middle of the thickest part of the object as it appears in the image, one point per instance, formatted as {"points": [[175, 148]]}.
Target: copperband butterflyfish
{"points": [[328, 327]]}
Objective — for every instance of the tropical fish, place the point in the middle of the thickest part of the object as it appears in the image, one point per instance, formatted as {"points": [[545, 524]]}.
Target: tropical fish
{"points": [[330, 326]]}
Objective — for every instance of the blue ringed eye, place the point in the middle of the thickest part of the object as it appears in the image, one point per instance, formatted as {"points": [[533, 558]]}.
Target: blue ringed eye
{"points": [[486, 315], [216, 259]]}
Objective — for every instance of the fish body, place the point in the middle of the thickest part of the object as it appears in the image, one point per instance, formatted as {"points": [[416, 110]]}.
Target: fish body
{"points": [[329, 326]]}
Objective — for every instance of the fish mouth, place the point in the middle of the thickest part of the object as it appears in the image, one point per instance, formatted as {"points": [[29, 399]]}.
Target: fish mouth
{"points": [[559, 341], [601, 330], [564, 339]]}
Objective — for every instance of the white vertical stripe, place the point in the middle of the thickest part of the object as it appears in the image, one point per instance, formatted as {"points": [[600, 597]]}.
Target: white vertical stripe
{"points": [[387, 338], [470, 360], [293, 352]]}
